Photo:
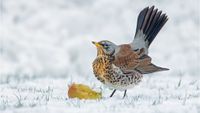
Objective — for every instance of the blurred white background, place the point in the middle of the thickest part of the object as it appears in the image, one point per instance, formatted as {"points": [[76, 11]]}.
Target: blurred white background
{"points": [[53, 37], [45, 45]]}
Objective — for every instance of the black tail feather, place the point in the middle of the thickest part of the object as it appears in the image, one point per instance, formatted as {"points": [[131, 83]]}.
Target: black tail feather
{"points": [[150, 21]]}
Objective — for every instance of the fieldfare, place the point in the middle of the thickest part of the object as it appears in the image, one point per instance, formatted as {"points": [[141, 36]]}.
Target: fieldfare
{"points": [[122, 66]]}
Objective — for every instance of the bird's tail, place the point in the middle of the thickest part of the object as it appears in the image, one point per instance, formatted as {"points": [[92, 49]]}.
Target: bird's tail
{"points": [[149, 22]]}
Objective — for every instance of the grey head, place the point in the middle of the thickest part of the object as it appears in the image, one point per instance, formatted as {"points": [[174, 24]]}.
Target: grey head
{"points": [[105, 47]]}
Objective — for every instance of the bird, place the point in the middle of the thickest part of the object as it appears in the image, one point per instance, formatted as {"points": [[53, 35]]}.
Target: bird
{"points": [[121, 67]]}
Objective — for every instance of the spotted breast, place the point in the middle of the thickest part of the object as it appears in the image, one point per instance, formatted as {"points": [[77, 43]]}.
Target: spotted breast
{"points": [[113, 76]]}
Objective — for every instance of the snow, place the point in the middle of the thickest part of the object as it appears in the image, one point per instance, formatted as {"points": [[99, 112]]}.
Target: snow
{"points": [[45, 45], [154, 94]]}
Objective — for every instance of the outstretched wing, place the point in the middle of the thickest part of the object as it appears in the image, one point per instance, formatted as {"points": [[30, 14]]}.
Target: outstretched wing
{"points": [[127, 59]]}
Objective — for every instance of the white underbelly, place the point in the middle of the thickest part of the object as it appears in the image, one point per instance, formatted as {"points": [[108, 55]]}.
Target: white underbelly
{"points": [[120, 87]]}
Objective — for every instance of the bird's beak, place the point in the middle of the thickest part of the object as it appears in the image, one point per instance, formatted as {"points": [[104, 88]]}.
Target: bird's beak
{"points": [[96, 44]]}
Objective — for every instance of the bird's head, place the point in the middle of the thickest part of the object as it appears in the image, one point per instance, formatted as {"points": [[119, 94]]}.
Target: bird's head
{"points": [[105, 47]]}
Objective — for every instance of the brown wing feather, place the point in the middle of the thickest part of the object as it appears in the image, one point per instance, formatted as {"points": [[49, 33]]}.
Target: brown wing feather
{"points": [[145, 66], [126, 58]]}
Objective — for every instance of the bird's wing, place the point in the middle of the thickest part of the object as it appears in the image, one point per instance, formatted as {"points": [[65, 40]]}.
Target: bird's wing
{"points": [[127, 59]]}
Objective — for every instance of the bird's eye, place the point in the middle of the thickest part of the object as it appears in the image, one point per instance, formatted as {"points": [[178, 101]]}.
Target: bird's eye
{"points": [[105, 46]]}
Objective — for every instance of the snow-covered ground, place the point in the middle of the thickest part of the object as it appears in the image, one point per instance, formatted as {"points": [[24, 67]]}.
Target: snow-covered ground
{"points": [[45, 45], [153, 95]]}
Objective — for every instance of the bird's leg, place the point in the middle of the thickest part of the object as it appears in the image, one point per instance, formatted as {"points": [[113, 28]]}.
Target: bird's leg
{"points": [[113, 93], [124, 93]]}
